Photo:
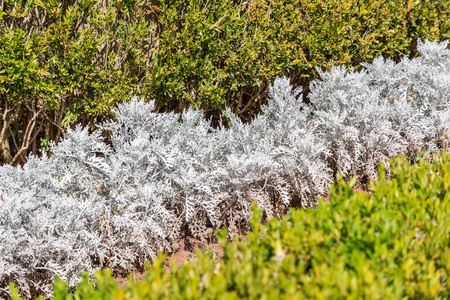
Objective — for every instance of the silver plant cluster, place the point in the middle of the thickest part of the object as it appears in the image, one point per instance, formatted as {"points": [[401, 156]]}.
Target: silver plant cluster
{"points": [[93, 205], [369, 116]]}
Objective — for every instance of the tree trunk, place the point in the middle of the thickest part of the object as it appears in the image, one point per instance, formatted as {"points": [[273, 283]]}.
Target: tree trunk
{"points": [[6, 151]]}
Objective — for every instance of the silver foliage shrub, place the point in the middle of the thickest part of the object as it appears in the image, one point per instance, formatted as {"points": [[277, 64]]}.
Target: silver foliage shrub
{"points": [[93, 205], [386, 108], [275, 156], [44, 231]]}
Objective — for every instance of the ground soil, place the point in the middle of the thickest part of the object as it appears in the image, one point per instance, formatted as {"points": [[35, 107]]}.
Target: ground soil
{"points": [[184, 255], [189, 245]]}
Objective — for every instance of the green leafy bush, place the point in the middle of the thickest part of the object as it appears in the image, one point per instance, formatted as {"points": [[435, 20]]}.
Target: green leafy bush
{"points": [[391, 243], [63, 62], [213, 53]]}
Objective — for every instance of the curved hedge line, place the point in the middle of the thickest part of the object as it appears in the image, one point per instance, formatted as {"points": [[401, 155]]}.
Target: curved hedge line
{"points": [[63, 62], [390, 244]]}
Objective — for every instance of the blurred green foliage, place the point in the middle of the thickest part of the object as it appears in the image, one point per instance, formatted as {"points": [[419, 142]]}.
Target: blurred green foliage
{"points": [[68, 61], [392, 243]]}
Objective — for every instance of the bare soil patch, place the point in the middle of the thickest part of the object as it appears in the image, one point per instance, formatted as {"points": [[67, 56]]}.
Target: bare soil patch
{"points": [[188, 246]]}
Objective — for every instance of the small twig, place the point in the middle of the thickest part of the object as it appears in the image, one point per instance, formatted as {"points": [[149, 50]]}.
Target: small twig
{"points": [[404, 55], [239, 225], [4, 290], [217, 23], [206, 5], [27, 135]]}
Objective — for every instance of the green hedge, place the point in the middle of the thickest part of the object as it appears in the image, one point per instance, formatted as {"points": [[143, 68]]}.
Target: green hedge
{"points": [[391, 244], [68, 61], [219, 53], [63, 62]]}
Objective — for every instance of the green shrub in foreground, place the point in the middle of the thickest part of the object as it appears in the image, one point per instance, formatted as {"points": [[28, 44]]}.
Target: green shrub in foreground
{"points": [[391, 244]]}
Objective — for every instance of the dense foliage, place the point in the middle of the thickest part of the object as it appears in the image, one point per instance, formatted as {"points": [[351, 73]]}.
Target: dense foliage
{"points": [[384, 109], [68, 61], [390, 244], [164, 176]]}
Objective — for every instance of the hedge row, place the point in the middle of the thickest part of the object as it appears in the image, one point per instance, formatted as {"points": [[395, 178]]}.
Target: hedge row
{"points": [[166, 176], [390, 244], [63, 62]]}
